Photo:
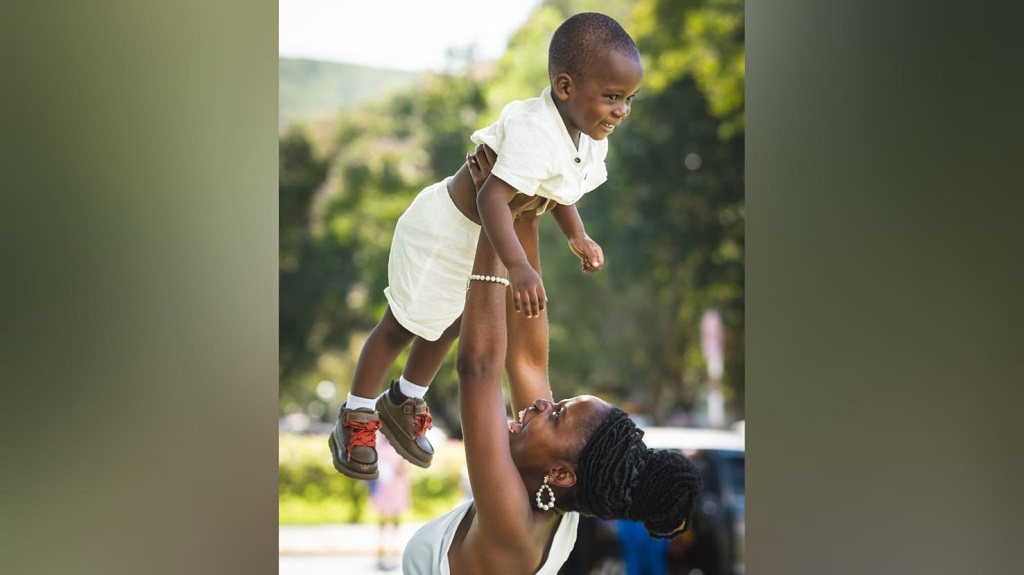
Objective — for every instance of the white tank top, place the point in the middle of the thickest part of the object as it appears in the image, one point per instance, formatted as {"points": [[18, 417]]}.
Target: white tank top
{"points": [[427, 550]]}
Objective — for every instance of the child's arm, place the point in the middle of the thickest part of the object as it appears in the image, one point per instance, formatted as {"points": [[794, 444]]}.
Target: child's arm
{"points": [[527, 289], [586, 249]]}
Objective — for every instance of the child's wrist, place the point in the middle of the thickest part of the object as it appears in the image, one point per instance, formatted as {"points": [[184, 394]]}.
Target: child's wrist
{"points": [[517, 264]]}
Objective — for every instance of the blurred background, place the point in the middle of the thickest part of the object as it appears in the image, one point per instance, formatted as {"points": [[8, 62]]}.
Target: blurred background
{"points": [[375, 113]]}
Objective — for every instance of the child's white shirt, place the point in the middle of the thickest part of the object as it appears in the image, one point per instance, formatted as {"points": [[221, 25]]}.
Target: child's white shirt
{"points": [[536, 156]]}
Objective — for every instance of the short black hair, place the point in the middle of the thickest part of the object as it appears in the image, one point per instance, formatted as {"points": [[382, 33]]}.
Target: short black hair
{"points": [[579, 41], [619, 477]]}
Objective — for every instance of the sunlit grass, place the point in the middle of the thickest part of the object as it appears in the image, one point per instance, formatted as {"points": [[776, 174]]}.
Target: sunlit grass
{"points": [[311, 491]]}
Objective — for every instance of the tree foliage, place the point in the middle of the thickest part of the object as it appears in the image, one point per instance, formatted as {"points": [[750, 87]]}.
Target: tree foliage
{"points": [[702, 39]]}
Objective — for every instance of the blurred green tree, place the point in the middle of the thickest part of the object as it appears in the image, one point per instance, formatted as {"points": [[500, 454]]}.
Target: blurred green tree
{"points": [[301, 174]]}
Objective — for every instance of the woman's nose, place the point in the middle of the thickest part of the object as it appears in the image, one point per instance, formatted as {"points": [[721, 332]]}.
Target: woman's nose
{"points": [[541, 405]]}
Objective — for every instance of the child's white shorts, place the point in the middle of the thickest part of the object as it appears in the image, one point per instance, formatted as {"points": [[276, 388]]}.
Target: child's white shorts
{"points": [[431, 259]]}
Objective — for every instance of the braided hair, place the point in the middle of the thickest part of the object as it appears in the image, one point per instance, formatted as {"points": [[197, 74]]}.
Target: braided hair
{"points": [[619, 477], [579, 40]]}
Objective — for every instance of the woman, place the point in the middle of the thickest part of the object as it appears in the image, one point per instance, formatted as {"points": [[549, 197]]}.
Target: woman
{"points": [[531, 478]]}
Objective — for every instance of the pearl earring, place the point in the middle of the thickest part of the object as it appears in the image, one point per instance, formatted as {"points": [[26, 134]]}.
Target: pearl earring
{"points": [[549, 504]]}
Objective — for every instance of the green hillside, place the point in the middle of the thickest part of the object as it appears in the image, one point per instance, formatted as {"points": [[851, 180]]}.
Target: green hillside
{"points": [[312, 88]]}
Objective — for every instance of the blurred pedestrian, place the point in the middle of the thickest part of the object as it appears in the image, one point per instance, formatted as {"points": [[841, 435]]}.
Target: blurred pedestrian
{"points": [[643, 554], [390, 495]]}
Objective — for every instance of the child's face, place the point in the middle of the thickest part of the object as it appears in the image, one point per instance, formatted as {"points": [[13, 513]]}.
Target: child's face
{"points": [[604, 96]]}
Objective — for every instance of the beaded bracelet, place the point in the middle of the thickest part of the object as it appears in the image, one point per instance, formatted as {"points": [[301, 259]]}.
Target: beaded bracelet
{"points": [[481, 278]]}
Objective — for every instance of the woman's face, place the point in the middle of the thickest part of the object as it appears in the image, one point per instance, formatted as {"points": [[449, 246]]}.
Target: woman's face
{"points": [[548, 431]]}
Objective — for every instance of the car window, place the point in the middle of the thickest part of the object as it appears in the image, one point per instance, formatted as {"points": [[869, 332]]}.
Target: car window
{"points": [[737, 473], [708, 473]]}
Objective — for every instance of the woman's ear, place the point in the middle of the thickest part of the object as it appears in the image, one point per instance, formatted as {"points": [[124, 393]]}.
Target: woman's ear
{"points": [[562, 86], [564, 477]]}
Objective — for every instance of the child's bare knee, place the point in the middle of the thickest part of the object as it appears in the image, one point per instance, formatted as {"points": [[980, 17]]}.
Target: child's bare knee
{"points": [[393, 332]]}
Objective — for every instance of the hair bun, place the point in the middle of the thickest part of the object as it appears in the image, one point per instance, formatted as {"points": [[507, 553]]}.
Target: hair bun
{"points": [[665, 493], [619, 477]]}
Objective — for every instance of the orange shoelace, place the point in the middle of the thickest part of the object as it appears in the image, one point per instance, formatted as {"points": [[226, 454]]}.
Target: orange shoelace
{"points": [[364, 434], [423, 422]]}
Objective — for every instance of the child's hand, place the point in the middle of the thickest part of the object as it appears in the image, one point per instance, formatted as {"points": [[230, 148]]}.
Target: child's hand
{"points": [[588, 251], [527, 289], [480, 162]]}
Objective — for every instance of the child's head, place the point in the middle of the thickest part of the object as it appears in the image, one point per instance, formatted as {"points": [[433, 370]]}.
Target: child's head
{"points": [[595, 70], [579, 43]]}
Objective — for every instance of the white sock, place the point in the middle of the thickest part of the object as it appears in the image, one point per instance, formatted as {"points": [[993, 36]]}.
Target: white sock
{"points": [[356, 402], [410, 389]]}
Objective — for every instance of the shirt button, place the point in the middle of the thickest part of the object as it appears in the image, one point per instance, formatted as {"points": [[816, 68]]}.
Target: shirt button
{"points": [[577, 160]]}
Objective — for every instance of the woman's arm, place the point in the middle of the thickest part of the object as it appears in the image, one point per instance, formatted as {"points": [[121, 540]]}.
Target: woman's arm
{"points": [[527, 359], [501, 499], [502, 504], [527, 350]]}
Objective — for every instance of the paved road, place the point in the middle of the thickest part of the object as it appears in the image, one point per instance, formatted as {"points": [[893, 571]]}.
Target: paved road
{"points": [[332, 549], [330, 565]]}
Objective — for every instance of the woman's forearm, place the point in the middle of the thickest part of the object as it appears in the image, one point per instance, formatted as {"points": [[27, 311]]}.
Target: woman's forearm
{"points": [[482, 340]]}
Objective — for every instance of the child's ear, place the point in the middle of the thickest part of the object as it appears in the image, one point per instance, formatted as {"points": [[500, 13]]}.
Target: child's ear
{"points": [[562, 85]]}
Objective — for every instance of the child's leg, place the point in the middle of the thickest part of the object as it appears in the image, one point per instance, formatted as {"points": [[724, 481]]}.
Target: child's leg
{"points": [[404, 414], [353, 441], [526, 360], [426, 357], [379, 353]]}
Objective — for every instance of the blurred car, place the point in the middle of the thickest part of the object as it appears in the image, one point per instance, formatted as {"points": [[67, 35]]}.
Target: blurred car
{"points": [[715, 540]]}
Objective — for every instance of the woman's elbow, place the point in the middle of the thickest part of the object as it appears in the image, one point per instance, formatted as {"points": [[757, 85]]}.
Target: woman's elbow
{"points": [[476, 367]]}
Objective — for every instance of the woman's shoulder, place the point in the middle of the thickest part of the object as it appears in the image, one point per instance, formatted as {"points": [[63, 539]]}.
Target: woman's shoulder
{"points": [[489, 547]]}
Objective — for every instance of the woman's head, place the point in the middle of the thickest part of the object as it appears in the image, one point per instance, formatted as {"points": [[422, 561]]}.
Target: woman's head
{"points": [[619, 477], [548, 437], [599, 465]]}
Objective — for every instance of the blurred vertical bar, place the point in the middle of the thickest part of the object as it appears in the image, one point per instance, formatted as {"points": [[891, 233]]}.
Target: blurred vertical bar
{"points": [[140, 295], [883, 345]]}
